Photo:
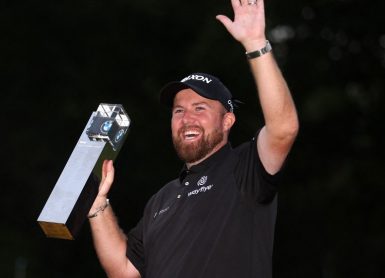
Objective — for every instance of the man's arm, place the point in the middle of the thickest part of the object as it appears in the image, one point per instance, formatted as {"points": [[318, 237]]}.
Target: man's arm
{"points": [[281, 122], [109, 240]]}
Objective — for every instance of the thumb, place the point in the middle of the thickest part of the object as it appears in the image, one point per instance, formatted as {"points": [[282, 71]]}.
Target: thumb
{"points": [[108, 177], [110, 172], [225, 21]]}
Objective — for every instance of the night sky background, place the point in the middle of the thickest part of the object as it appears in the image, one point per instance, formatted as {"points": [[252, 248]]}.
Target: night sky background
{"points": [[60, 59]]}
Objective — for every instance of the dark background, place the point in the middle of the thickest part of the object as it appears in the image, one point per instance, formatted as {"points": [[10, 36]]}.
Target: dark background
{"points": [[60, 59]]}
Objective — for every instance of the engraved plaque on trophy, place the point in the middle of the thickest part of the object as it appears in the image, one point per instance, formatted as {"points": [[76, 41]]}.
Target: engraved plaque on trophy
{"points": [[75, 191]]}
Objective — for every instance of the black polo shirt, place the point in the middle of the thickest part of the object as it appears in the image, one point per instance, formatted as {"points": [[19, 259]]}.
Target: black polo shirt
{"points": [[216, 220]]}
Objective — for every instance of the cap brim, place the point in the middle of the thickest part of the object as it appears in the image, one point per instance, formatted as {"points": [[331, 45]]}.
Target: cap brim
{"points": [[168, 92]]}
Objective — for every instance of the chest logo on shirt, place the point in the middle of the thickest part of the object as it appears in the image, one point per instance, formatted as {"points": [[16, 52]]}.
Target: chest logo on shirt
{"points": [[202, 188], [202, 181]]}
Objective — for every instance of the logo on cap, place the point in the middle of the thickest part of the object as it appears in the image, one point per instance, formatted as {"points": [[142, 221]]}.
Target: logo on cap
{"points": [[198, 78]]}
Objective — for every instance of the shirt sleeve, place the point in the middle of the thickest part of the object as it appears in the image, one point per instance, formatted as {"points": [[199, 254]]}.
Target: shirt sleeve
{"points": [[254, 182]]}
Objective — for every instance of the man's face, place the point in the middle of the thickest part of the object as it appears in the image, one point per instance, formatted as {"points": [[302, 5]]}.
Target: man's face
{"points": [[197, 126]]}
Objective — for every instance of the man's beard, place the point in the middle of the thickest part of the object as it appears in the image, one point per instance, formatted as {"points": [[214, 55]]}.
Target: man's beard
{"points": [[195, 151]]}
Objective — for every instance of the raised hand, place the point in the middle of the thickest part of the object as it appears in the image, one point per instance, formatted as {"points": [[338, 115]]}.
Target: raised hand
{"points": [[248, 26]]}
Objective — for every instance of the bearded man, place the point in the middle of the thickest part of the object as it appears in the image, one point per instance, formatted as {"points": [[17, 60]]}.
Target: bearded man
{"points": [[217, 218]]}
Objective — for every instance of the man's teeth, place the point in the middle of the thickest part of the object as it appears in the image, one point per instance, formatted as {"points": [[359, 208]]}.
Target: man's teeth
{"points": [[191, 134]]}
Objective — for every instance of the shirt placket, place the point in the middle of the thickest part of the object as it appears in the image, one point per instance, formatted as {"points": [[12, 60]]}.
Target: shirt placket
{"points": [[185, 186]]}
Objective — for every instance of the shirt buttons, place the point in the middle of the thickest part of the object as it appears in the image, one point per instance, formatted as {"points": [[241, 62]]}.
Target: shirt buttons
{"points": [[186, 183], [178, 196]]}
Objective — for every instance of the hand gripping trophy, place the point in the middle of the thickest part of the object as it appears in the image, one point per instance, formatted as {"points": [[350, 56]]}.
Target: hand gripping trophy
{"points": [[75, 191]]}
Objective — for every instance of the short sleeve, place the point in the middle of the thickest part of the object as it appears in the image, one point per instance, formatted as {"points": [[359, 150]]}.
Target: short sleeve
{"points": [[254, 182]]}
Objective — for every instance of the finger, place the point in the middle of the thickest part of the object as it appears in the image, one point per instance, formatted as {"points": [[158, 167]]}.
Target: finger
{"points": [[252, 3], [243, 2], [104, 169], [235, 3], [261, 4], [108, 178], [225, 21], [110, 172]]}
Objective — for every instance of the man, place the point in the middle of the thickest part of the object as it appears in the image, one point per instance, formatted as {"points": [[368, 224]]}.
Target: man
{"points": [[217, 218]]}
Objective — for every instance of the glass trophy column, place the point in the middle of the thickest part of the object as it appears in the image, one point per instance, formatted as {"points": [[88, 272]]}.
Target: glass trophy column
{"points": [[76, 189]]}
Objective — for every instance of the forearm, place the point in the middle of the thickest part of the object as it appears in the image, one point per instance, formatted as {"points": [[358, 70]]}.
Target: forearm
{"points": [[110, 242], [274, 95], [279, 112]]}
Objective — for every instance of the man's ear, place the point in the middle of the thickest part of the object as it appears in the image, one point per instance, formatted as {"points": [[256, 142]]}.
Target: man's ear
{"points": [[228, 121]]}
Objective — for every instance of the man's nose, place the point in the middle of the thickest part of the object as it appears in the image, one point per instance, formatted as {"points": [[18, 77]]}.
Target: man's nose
{"points": [[188, 117]]}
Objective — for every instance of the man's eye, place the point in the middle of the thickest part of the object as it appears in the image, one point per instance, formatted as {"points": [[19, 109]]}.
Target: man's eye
{"points": [[177, 111], [199, 108]]}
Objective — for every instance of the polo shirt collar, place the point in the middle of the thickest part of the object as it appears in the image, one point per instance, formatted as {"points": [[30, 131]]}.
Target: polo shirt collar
{"points": [[216, 157]]}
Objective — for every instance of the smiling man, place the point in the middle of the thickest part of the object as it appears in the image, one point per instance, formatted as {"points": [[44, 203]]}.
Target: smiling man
{"points": [[201, 115], [217, 218]]}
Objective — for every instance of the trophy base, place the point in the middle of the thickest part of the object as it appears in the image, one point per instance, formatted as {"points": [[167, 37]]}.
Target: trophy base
{"points": [[56, 230]]}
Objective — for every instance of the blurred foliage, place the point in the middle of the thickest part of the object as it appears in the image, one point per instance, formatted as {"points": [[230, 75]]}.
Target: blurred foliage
{"points": [[59, 60]]}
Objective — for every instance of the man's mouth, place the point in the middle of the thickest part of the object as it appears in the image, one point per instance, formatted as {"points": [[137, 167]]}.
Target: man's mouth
{"points": [[191, 134]]}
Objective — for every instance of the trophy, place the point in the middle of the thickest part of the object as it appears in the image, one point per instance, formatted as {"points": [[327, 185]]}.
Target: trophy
{"points": [[77, 187]]}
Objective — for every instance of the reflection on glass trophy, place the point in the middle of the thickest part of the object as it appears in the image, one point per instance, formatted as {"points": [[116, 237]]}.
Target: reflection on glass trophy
{"points": [[75, 191]]}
